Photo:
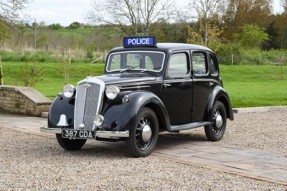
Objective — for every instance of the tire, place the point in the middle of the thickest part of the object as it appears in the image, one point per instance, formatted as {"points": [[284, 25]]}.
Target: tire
{"points": [[216, 130], [143, 137], [70, 144]]}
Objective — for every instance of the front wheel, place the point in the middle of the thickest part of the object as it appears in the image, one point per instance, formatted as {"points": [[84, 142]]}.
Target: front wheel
{"points": [[216, 130], [143, 137], [70, 144]]}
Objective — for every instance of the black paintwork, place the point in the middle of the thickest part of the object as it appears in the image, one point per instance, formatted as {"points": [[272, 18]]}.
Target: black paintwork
{"points": [[175, 101]]}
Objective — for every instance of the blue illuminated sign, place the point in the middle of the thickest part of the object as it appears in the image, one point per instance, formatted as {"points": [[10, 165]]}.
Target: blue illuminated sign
{"points": [[139, 41]]}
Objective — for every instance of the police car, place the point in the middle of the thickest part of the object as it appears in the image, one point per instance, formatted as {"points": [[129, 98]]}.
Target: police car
{"points": [[147, 88]]}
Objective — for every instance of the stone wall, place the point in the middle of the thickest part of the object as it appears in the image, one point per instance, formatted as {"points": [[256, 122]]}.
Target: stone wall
{"points": [[23, 100]]}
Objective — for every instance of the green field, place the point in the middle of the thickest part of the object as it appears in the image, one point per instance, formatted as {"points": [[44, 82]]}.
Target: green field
{"points": [[255, 85], [247, 85]]}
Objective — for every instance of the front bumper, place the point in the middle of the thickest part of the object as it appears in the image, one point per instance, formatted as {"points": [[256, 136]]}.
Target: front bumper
{"points": [[99, 133]]}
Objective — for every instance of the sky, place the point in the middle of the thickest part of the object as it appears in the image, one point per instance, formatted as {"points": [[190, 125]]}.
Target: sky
{"points": [[65, 12]]}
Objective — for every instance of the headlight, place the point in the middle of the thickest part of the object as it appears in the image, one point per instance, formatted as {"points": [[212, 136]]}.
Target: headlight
{"points": [[68, 91], [112, 92], [99, 120]]}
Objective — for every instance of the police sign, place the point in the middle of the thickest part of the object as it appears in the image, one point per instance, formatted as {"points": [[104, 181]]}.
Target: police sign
{"points": [[139, 41]]}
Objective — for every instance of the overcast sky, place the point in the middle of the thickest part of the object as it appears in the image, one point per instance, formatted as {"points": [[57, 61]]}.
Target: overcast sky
{"points": [[67, 11]]}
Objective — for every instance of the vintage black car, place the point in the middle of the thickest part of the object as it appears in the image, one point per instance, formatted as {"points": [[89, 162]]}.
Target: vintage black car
{"points": [[147, 88]]}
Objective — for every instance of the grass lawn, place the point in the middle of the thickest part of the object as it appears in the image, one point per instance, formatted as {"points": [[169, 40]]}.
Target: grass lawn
{"points": [[53, 78], [247, 85], [255, 85]]}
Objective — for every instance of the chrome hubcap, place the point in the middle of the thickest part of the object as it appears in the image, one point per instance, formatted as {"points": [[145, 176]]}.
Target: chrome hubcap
{"points": [[218, 121], [146, 133]]}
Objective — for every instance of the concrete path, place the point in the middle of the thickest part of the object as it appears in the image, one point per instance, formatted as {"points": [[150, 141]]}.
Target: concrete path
{"points": [[228, 158]]}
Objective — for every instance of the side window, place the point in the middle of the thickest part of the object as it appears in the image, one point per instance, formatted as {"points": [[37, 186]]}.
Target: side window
{"points": [[212, 62], [178, 66], [199, 63]]}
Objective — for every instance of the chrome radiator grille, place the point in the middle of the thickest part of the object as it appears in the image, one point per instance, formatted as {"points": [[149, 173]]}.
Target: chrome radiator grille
{"points": [[88, 103]]}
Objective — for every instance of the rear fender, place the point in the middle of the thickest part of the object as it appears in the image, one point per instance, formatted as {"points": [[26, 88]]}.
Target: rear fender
{"points": [[219, 94]]}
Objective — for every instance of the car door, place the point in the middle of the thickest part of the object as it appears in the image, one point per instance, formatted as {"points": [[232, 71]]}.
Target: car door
{"points": [[203, 83], [177, 88]]}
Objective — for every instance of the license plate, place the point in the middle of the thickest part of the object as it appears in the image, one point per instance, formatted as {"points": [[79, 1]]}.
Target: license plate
{"points": [[78, 134]]}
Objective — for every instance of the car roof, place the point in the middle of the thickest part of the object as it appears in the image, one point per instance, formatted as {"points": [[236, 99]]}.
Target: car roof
{"points": [[181, 46], [166, 46]]}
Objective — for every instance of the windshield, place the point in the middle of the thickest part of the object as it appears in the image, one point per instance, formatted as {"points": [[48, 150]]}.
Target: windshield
{"points": [[135, 60]]}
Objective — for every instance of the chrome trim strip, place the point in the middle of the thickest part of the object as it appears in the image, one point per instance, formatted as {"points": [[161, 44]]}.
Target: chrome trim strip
{"points": [[133, 87], [51, 130], [206, 80], [112, 134], [190, 80], [134, 83]]}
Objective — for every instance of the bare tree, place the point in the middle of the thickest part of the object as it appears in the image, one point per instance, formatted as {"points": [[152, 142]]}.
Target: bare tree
{"points": [[284, 5], [131, 16], [205, 9], [9, 9]]}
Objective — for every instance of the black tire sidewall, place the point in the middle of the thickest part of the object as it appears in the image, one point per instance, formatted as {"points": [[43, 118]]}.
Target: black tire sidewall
{"points": [[210, 134], [70, 144], [132, 141]]}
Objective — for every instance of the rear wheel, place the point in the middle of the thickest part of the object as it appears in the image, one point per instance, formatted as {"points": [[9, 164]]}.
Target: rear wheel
{"points": [[70, 144], [216, 130], [143, 137]]}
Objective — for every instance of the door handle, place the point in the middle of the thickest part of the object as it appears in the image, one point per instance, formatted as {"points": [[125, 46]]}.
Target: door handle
{"points": [[167, 85], [209, 83]]}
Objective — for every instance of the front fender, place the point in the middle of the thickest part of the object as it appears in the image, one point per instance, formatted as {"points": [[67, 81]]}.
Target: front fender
{"points": [[219, 94], [121, 116], [61, 105]]}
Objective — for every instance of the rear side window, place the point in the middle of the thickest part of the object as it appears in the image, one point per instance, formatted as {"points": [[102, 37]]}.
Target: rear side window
{"points": [[213, 65], [199, 63], [178, 65]]}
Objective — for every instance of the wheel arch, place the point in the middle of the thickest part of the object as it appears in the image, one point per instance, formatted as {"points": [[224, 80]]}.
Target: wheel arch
{"points": [[161, 116], [136, 101], [219, 94]]}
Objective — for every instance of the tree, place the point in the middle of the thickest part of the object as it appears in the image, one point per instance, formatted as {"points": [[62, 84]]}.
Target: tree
{"points": [[131, 16], [246, 12], [169, 32], [4, 31], [280, 26], [251, 36], [284, 5], [55, 26], [75, 25], [205, 9], [9, 9], [196, 36]]}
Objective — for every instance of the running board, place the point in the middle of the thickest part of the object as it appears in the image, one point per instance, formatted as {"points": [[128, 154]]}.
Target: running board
{"points": [[188, 126]]}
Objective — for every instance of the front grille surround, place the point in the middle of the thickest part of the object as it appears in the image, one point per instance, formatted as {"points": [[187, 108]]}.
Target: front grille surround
{"points": [[88, 103]]}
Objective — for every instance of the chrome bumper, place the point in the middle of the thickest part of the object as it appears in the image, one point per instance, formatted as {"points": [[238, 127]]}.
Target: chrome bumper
{"points": [[99, 134]]}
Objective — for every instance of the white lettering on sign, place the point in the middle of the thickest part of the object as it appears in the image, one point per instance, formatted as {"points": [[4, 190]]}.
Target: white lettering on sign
{"points": [[85, 134], [77, 134], [139, 41]]}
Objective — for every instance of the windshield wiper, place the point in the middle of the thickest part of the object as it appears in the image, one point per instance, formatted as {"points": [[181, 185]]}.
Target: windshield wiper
{"points": [[128, 68]]}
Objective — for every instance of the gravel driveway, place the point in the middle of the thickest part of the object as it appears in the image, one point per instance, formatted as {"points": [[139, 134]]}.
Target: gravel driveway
{"points": [[34, 162]]}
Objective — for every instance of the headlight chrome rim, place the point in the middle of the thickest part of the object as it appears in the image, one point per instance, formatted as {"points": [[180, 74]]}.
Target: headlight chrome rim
{"points": [[112, 92], [99, 120], [69, 91]]}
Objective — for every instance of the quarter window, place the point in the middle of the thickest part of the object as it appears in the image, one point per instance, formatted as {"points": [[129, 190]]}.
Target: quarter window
{"points": [[199, 63], [178, 65], [212, 62]]}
